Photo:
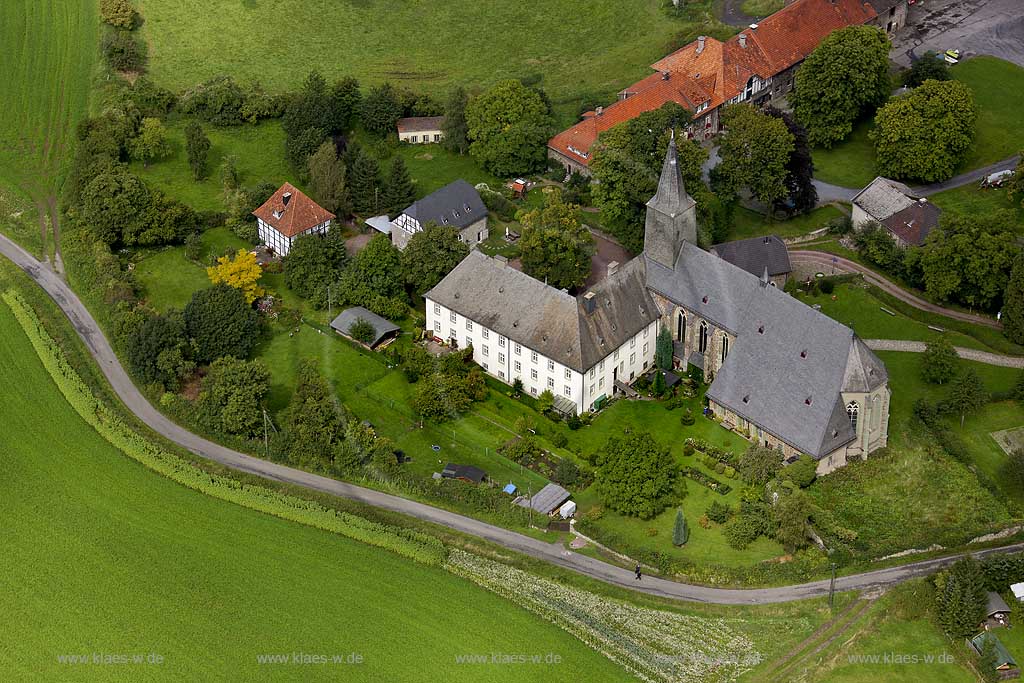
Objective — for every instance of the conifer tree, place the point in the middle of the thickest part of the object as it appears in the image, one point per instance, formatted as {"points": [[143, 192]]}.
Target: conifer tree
{"points": [[680, 532], [399, 191]]}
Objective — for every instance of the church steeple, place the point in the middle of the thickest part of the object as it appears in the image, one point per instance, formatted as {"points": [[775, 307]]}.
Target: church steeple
{"points": [[671, 213]]}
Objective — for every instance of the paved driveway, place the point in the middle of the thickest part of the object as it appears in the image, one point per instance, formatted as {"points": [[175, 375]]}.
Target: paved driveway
{"points": [[990, 27]]}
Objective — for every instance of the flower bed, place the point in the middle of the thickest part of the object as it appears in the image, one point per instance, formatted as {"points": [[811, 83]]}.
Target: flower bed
{"points": [[719, 454], [705, 480]]}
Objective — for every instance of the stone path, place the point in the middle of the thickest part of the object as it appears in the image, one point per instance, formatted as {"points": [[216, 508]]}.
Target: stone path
{"points": [[965, 353]]}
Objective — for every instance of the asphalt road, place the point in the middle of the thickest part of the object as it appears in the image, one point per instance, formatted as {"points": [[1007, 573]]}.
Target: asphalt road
{"points": [[989, 27], [101, 351]]}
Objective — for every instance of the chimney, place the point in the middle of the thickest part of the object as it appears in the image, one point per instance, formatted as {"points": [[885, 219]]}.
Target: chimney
{"points": [[923, 200], [743, 40], [600, 110], [589, 302], [753, 27], [700, 43], [286, 197], [613, 267], [664, 75]]}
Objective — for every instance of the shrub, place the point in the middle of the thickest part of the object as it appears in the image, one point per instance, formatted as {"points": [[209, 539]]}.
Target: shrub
{"points": [[559, 440], [574, 421], [729, 472], [122, 51], [827, 286], [566, 472], [687, 420], [741, 531], [193, 246], [719, 512], [118, 13], [687, 449], [720, 467]]}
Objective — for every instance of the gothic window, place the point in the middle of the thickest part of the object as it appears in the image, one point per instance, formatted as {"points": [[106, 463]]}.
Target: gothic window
{"points": [[852, 409], [702, 340], [725, 346], [681, 328]]}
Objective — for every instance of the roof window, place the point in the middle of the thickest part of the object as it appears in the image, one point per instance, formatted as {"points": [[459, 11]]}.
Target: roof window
{"points": [[807, 401], [705, 299], [803, 354], [760, 329], [746, 399]]}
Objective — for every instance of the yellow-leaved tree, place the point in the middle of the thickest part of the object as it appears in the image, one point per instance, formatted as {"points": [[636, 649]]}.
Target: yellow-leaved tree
{"points": [[241, 272]]}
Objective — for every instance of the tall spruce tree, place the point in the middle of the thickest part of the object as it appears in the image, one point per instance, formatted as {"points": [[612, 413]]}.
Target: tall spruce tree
{"points": [[364, 184], [663, 350], [455, 128], [197, 146], [680, 531], [1013, 303], [327, 180], [399, 191], [967, 394]]}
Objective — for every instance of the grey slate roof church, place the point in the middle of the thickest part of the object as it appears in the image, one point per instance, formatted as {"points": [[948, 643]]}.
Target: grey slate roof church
{"points": [[780, 372], [457, 204]]}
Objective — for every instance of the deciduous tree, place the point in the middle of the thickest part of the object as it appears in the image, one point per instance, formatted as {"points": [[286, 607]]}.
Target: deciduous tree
{"points": [[362, 330], [555, 246], [1015, 186], [792, 520], [114, 200], [939, 362], [158, 350], [314, 421], [929, 67], [119, 13], [1013, 303], [376, 270], [636, 476], [221, 323], [241, 272], [197, 147], [151, 142], [926, 133], [760, 464], [509, 126], [231, 397], [430, 255], [846, 74], [755, 150], [313, 263], [802, 194]]}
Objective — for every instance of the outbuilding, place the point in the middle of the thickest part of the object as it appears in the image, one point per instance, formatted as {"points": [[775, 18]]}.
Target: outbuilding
{"points": [[547, 500], [997, 612], [466, 473], [384, 331]]}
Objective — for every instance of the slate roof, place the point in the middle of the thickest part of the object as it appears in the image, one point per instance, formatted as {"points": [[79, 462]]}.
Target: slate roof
{"points": [[291, 212], [457, 204], [473, 474], [719, 70], [995, 604], [545, 319], [416, 124], [914, 223], [789, 365], [381, 326], [883, 198], [755, 254]]}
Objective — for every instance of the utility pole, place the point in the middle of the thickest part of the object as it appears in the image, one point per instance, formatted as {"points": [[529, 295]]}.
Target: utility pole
{"points": [[529, 495], [832, 589]]}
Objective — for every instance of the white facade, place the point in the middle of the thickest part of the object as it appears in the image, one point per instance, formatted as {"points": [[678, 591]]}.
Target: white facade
{"points": [[405, 226], [421, 137], [508, 360], [281, 244]]}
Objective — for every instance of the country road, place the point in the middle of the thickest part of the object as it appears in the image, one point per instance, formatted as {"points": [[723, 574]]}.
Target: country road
{"points": [[101, 351], [825, 261]]}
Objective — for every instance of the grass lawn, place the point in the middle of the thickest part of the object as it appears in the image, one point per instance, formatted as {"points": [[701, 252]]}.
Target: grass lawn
{"points": [[1013, 638], [576, 53], [158, 568], [899, 623], [432, 167], [999, 94], [971, 199], [855, 305], [850, 163], [761, 8], [987, 454], [49, 47], [749, 223], [259, 156], [168, 279]]}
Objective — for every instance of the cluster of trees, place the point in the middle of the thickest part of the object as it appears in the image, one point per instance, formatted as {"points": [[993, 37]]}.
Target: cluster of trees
{"points": [[446, 386], [755, 150], [637, 476], [940, 364], [220, 101], [968, 260], [119, 46], [508, 127], [555, 246]]}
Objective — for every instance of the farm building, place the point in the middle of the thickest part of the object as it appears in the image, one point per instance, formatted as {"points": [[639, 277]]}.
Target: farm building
{"points": [[384, 331], [466, 473], [547, 500], [457, 204], [892, 205], [421, 130], [288, 215]]}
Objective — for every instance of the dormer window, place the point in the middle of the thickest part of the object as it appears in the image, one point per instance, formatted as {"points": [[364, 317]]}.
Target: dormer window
{"points": [[803, 354], [468, 208], [760, 329], [444, 219], [705, 299], [746, 399], [807, 401]]}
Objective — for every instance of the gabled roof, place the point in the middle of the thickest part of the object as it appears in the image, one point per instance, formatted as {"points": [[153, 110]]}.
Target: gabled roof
{"points": [[914, 223], [417, 124], [789, 364], [756, 254], [547, 499], [545, 319], [883, 197], [457, 204], [291, 212], [1004, 660], [995, 604], [468, 472], [712, 71], [381, 327]]}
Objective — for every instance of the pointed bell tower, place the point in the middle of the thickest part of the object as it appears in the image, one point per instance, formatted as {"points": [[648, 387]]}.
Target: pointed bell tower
{"points": [[671, 213]]}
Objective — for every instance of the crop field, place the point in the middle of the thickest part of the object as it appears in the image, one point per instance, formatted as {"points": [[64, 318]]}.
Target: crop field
{"points": [[577, 50], [103, 557], [48, 47]]}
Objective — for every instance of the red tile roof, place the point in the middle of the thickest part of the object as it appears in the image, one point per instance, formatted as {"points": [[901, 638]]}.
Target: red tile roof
{"points": [[913, 223], [721, 70], [294, 215]]}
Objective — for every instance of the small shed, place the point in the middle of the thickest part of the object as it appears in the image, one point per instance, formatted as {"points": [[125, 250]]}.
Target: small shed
{"points": [[567, 510], [1018, 591], [466, 473], [384, 331], [519, 187], [997, 612], [1006, 665], [547, 500], [380, 224]]}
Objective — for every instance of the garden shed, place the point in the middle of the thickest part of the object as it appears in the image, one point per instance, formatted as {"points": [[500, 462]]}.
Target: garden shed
{"points": [[546, 500], [466, 473], [1006, 666], [997, 612], [384, 331]]}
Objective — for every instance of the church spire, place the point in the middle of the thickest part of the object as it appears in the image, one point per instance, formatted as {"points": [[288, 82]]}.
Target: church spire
{"points": [[671, 213]]}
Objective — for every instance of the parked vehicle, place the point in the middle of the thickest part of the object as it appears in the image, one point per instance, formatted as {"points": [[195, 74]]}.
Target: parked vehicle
{"points": [[952, 56], [997, 179]]}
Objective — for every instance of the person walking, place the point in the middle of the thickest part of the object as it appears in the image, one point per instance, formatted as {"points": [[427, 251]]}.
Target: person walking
{"points": [[637, 572]]}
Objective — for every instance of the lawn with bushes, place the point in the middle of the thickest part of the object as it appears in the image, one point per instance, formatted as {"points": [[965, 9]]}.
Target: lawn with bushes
{"points": [[159, 568], [971, 199], [762, 8], [749, 223]]}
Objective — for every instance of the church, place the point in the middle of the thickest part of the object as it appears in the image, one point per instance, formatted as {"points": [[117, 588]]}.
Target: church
{"points": [[779, 372]]}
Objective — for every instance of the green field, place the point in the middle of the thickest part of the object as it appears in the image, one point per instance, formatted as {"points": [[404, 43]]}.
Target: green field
{"points": [[749, 223], [48, 48], [972, 199], [414, 43], [999, 95], [761, 8], [103, 556]]}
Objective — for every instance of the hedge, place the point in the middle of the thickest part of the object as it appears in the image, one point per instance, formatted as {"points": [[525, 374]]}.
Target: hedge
{"points": [[406, 542]]}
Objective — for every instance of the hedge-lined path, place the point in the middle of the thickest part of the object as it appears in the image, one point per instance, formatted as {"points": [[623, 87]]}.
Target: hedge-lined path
{"points": [[966, 354], [825, 261], [100, 349]]}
